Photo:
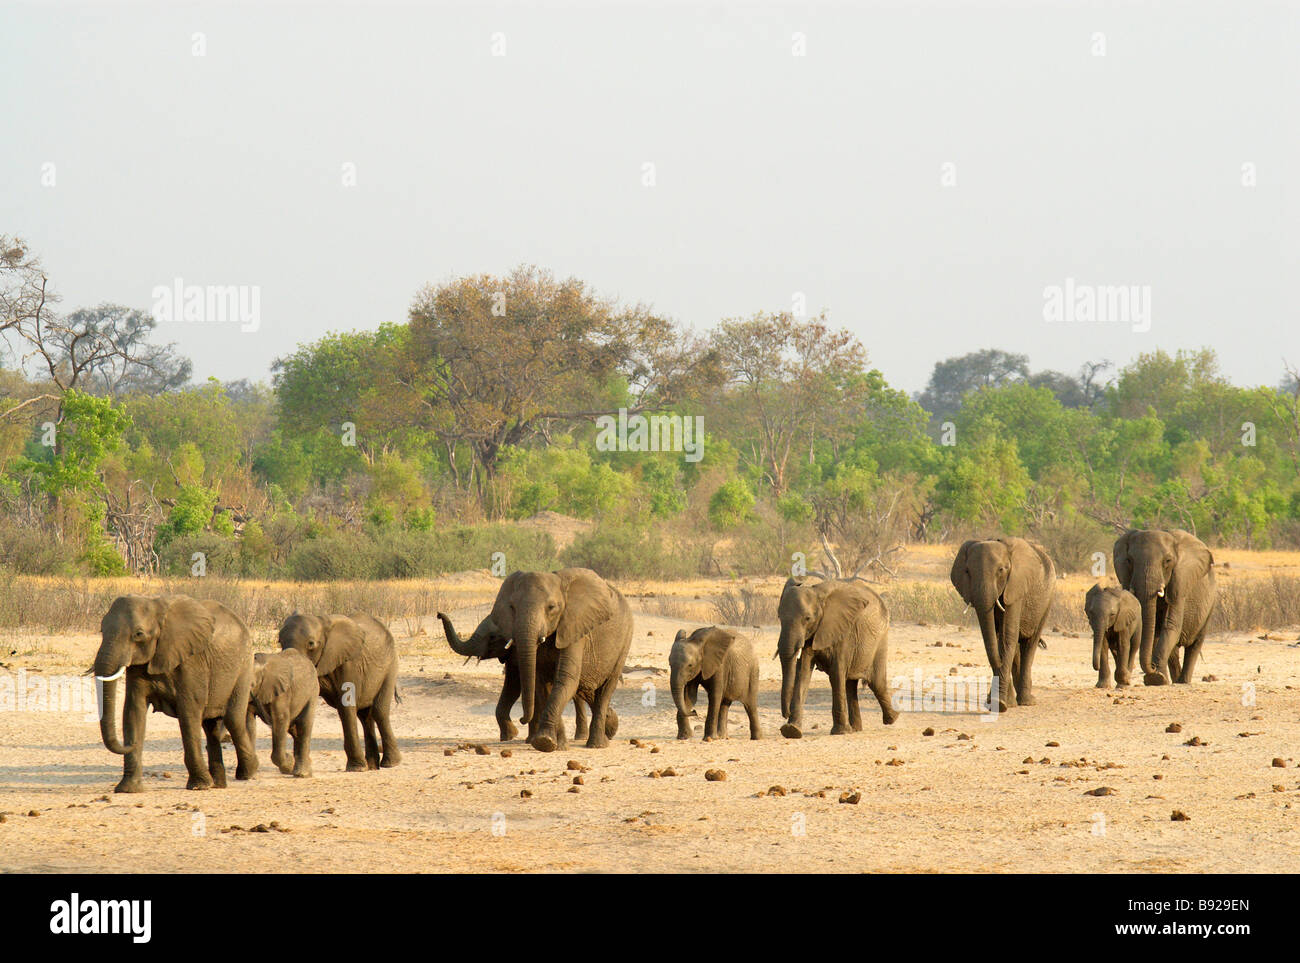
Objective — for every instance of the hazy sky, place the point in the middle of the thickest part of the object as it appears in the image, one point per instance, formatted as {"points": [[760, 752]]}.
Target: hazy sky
{"points": [[774, 173]]}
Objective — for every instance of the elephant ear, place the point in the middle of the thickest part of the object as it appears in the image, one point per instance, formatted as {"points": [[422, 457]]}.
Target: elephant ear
{"points": [[960, 577], [344, 640], [186, 627], [681, 634], [1123, 561], [500, 614], [717, 642], [843, 617], [271, 680], [1030, 564], [587, 603], [1194, 561]]}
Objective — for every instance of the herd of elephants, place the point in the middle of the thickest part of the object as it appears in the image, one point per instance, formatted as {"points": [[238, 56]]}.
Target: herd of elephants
{"points": [[564, 636]]}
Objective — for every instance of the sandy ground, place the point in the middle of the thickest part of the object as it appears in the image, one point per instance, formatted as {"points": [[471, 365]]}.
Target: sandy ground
{"points": [[976, 795]]}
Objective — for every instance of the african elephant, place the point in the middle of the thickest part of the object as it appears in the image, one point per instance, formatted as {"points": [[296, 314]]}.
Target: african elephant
{"points": [[356, 662], [1116, 620], [724, 664], [571, 630], [839, 626], [1010, 583], [283, 695], [184, 658], [1172, 575], [488, 643]]}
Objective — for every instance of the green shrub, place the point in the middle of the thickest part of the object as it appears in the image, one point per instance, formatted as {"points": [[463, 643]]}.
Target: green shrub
{"points": [[731, 504]]}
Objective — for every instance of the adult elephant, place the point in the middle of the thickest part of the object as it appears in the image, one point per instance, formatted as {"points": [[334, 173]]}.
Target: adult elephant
{"points": [[1010, 583], [839, 626], [185, 658], [572, 631], [1172, 575], [487, 642], [356, 663]]}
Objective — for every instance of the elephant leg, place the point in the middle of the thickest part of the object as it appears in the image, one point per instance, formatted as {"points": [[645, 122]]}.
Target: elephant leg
{"points": [[302, 740], [371, 736], [244, 742], [1103, 672], [580, 724], [751, 710], [212, 728], [692, 693], [133, 725], [563, 687], [855, 710], [190, 716], [723, 710], [711, 719], [510, 690], [602, 713], [839, 702], [879, 684], [279, 729], [1025, 671], [381, 710], [793, 729], [351, 743], [1190, 656], [1175, 665]]}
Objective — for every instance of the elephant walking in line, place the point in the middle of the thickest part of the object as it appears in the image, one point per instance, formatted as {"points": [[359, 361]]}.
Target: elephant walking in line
{"points": [[571, 631], [839, 626], [1010, 583], [185, 658], [1116, 620], [356, 663], [1172, 575], [724, 664], [284, 695], [487, 642]]}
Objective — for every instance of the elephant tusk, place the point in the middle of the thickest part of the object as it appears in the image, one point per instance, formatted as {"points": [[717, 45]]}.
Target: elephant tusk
{"points": [[998, 603], [114, 677], [1161, 593]]}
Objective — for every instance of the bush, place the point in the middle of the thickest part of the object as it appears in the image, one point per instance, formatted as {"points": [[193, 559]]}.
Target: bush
{"points": [[33, 551], [731, 504], [622, 552]]}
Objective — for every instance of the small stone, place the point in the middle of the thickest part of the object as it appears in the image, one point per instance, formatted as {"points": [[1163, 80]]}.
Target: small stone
{"points": [[1209, 678], [449, 752], [1053, 744], [525, 794], [927, 731], [32, 812], [1279, 763], [1195, 741], [1178, 816], [482, 751], [715, 775], [963, 736], [506, 753], [1173, 727], [574, 766], [577, 781], [574, 789], [894, 762], [851, 798], [776, 791], [1100, 791]]}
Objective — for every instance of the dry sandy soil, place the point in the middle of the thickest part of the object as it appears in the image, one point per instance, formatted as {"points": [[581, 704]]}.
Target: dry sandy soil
{"points": [[978, 795]]}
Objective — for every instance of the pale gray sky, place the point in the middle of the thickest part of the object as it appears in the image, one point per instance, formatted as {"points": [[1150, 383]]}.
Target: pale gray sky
{"points": [[775, 173]]}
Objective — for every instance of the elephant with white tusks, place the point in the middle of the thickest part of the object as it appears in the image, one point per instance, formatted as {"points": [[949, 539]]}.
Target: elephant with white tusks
{"points": [[185, 658], [1172, 575], [1010, 582]]}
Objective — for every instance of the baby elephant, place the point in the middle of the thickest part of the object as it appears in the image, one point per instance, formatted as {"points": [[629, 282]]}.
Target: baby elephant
{"points": [[284, 694], [1116, 618], [724, 665]]}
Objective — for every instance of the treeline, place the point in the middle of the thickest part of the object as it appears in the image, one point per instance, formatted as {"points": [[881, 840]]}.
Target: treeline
{"points": [[413, 449]]}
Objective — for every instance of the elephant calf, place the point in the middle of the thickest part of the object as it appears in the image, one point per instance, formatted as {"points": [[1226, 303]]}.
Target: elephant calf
{"points": [[724, 664], [1116, 619], [356, 663], [284, 694]]}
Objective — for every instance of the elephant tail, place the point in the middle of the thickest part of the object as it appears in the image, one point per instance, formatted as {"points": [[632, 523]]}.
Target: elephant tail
{"points": [[397, 693]]}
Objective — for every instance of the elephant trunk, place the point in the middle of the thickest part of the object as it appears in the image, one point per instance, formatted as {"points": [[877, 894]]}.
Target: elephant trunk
{"points": [[989, 630], [677, 681], [1098, 643], [787, 647], [1149, 636], [107, 677], [476, 646], [529, 633]]}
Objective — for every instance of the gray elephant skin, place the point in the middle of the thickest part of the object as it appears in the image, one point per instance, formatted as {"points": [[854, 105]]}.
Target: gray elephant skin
{"points": [[1010, 582], [356, 662], [284, 694], [1172, 575], [839, 626], [571, 631], [1116, 620], [487, 642], [724, 664], [188, 659]]}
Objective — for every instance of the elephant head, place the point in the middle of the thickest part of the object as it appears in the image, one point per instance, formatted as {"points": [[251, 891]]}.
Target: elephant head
{"points": [[1102, 607], [995, 573], [487, 642], [699, 654], [1155, 564], [534, 607], [157, 633], [326, 640]]}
